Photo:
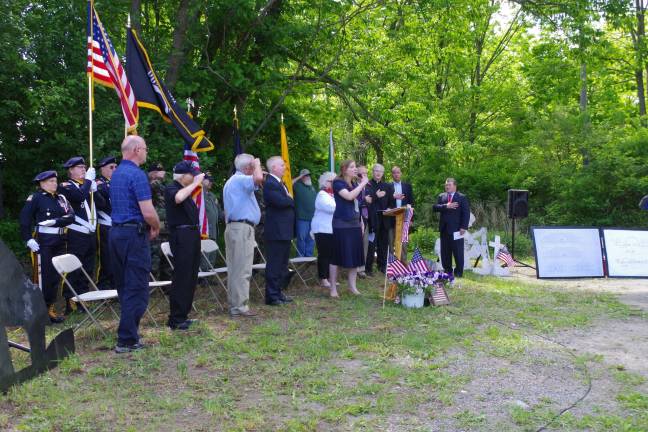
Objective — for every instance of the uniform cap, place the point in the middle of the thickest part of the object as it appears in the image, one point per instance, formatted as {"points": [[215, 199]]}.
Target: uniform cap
{"points": [[45, 175], [74, 161], [208, 176], [107, 160], [304, 172], [156, 166], [185, 167]]}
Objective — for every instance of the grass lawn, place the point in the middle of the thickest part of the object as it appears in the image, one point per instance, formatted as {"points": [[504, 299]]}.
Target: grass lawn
{"points": [[487, 362]]}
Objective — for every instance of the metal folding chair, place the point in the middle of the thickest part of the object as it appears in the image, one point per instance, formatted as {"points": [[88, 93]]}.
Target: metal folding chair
{"points": [[156, 285], [68, 263], [208, 246], [166, 251], [258, 266], [303, 262]]}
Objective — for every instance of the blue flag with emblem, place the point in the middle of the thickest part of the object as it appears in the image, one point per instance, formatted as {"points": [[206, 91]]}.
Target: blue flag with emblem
{"points": [[151, 93]]}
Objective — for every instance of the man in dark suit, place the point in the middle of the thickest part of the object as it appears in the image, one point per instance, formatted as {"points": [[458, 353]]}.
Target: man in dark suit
{"points": [[279, 230], [455, 214], [402, 197], [379, 225]]}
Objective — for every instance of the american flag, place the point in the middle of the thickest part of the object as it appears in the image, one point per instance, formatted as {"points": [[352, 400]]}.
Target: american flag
{"points": [[409, 212], [395, 268], [440, 296], [505, 256], [418, 264], [105, 68], [198, 194]]}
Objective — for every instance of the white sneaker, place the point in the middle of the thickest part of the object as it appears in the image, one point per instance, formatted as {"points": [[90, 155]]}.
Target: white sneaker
{"points": [[325, 283]]}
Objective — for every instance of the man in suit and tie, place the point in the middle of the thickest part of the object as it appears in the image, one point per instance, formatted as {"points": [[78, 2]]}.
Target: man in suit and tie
{"points": [[455, 214], [279, 230], [402, 197], [379, 225]]}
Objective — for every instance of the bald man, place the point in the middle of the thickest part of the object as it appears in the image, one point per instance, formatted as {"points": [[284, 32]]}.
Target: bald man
{"points": [[135, 223]]}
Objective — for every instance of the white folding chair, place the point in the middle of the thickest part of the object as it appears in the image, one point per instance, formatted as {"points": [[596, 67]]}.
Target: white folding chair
{"points": [[208, 246], [303, 262], [166, 251], [68, 263], [156, 285], [258, 266]]}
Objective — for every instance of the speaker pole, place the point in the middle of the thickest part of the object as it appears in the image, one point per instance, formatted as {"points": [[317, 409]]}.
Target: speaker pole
{"points": [[521, 264]]}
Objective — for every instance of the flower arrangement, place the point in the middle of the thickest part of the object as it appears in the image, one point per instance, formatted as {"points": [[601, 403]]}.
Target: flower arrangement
{"points": [[420, 283]]}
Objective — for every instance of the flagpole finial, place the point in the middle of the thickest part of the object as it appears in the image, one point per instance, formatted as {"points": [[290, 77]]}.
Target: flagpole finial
{"points": [[235, 113], [281, 117], [128, 22]]}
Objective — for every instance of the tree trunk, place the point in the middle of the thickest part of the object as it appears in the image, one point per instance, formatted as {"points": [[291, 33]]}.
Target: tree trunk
{"points": [[475, 89], [177, 56], [1, 198], [639, 47], [641, 97], [135, 15], [583, 91]]}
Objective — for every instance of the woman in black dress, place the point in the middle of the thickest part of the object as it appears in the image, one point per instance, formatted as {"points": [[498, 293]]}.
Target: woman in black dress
{"points": [[347, 226]]}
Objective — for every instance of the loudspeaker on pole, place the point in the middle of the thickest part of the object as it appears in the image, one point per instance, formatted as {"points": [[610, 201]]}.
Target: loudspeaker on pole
{"points": [[518, 203]]}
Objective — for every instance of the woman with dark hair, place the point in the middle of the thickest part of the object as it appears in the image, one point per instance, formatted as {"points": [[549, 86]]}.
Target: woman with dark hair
{"points": [[347, 226]]}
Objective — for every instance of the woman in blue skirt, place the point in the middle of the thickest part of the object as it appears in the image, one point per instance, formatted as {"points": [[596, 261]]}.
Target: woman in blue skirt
{"points": [[347, 226]]}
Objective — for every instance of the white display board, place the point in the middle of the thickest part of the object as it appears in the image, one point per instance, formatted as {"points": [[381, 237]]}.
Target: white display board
{"points": [[626, 252], [567, 252]]}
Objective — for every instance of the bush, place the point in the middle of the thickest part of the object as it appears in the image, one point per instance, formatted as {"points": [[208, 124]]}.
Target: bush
{"points": [[10, 235]]}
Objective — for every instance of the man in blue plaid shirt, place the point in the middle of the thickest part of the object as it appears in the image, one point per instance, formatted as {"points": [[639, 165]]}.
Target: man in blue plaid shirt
{"points": [[135, 223]]}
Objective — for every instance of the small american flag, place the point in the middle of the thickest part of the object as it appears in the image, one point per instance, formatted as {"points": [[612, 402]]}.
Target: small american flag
{"points": [[440, 296], [105, 68], [198, 194], [395, 268], [409, 212], [505, 256], [418, 264]]}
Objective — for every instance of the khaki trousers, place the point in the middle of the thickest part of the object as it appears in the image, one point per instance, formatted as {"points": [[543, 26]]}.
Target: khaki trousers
{"points": [[239, 256]]}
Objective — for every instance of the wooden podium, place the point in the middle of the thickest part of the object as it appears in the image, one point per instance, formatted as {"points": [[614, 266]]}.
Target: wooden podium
{"points": [[399, 214]]}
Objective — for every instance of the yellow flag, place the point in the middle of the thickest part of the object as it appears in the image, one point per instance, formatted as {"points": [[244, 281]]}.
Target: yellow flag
{"points": [[287, 177]]}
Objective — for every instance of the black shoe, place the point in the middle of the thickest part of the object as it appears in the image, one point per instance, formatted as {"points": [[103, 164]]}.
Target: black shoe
{"points": [[122, 349], [369, 274], [183, 325], [275, 303], [286, 299]]}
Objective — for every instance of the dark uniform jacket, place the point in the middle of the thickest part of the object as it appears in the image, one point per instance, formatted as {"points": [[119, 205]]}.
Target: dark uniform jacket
{"points": [[78, 194], [42, 206], [104, 207]]}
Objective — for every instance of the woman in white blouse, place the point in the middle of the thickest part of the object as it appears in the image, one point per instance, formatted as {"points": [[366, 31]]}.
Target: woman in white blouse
{"points": [[321, 226]]}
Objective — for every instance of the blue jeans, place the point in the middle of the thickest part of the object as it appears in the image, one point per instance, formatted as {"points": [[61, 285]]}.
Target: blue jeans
{"points": [[131, 261], [305, 243]]}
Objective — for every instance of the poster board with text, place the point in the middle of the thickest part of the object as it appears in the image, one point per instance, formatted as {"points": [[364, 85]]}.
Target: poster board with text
{"points": [[626, 252], [568, 252]]}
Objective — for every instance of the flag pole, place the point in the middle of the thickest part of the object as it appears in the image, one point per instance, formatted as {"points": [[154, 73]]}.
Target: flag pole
{"points": [[385, 291], [90, 101], [128, 26]]}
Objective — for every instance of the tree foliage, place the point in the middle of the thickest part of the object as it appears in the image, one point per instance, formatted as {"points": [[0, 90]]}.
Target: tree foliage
{"points": [[547, 96]]}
